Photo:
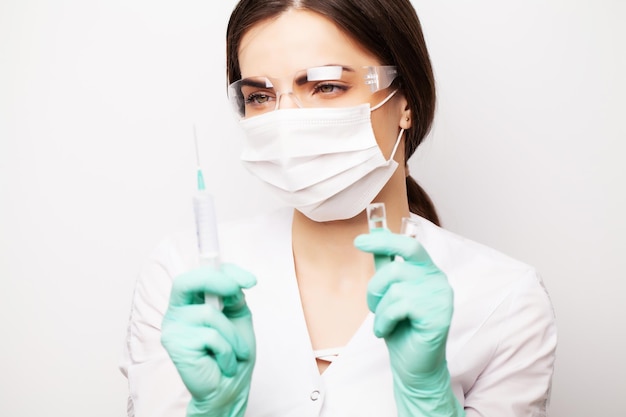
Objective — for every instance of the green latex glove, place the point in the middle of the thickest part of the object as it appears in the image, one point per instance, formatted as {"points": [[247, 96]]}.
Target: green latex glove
{"points": [[213, 351], [413, 303]]}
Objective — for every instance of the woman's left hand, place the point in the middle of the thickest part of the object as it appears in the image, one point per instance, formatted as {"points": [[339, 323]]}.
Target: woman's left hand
{"points": [[413, 304]]}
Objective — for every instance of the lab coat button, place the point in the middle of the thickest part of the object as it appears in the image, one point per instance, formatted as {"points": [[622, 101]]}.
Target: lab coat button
{"points": [[315, 395]]}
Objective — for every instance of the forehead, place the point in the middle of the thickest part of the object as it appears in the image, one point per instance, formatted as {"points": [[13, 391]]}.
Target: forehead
{"points": [[295, 40]]}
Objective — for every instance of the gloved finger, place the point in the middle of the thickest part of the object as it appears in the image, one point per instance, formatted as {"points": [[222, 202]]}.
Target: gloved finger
{"points": [[393, 308], [207, 341], [224, 282], [244, 278], [427, 305], [204, 315], [390, 274], [235, 307], [198, 370], [393, 244], [191, 286]]}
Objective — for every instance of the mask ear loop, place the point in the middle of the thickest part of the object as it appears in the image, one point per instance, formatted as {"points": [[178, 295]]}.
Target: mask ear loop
{"points": [[382, 103], [395, 147], [379, 105]]}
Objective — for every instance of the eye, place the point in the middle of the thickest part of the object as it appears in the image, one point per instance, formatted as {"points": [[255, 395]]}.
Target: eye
{"points": [[258, 98], [328, 88]]}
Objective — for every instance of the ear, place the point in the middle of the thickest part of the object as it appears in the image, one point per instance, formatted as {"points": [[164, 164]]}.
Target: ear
{"points": [[406, 122], [405, 116]]}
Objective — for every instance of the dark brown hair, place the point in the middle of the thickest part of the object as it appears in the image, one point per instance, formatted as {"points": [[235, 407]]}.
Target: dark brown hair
{"points": [[389, 29]]}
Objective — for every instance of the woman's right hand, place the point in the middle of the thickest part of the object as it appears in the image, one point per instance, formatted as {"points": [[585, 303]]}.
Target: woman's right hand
{"points": [[213, 351]]}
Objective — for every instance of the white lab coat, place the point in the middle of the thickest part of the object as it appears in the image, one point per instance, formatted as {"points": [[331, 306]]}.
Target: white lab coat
{"points": [[500, 350]]}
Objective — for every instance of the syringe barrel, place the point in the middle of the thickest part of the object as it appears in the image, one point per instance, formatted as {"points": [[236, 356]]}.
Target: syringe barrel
{"points": [[206, 228]]}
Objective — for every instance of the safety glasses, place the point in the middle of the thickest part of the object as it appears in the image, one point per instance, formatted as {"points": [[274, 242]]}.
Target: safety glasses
{"points": [[325, 86]]}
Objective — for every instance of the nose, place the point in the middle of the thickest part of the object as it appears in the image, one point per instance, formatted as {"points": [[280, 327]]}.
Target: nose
{"points": [[291, 103]]}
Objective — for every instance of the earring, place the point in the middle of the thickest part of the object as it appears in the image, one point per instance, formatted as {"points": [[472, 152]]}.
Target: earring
{"points": [[407, 119]]}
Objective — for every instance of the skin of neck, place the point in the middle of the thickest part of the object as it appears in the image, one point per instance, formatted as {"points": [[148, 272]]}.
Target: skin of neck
{"points": [[327, 247]]}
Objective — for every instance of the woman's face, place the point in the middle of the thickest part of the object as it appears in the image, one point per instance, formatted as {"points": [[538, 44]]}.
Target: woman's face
{"points": [[297, 40]]}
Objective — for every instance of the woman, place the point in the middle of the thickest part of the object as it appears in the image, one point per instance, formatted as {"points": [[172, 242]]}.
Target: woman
{"points": [[334, 96]]}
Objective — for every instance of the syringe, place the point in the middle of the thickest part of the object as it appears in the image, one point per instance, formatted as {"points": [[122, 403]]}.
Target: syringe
{"points": [[206, 228]]}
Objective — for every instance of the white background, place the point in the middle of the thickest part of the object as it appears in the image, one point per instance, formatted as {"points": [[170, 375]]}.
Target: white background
{"points": [[97, 102]]}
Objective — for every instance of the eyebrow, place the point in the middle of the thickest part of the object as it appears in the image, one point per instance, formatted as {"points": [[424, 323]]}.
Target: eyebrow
{"points": [[261, 82], [257, 82]]}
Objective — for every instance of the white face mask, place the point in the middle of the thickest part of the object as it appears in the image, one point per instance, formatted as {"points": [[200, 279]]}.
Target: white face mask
{"points": [[324, 162]]}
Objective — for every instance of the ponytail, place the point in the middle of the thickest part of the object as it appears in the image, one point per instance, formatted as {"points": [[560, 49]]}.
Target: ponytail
{"points": [[419, 202]]}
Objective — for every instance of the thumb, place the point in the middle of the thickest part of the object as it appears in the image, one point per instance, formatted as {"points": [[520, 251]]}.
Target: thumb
{"points": [[235, 305]]}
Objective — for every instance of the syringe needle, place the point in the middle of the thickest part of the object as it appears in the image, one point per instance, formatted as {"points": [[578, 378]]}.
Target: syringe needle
{"points": [[195, 139], [199, 174]]}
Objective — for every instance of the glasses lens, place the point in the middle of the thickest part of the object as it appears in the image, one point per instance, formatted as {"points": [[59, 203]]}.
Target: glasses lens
{"points": [[252, 96]]}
